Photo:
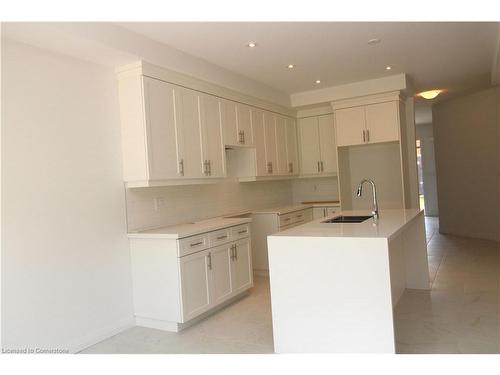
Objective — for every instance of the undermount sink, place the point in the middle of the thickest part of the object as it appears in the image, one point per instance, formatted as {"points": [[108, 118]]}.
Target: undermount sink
{"points": [[347, 219]]}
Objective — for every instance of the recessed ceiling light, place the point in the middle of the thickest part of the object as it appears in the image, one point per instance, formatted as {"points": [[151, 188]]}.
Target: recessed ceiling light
{"points": [[431, 94], [252, 44], [374, 41], [318, 81], [388, 67], [291, 66]]}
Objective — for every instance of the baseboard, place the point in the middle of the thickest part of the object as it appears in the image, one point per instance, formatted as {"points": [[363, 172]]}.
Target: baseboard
{"points": [[479, 236], [101, 334]]}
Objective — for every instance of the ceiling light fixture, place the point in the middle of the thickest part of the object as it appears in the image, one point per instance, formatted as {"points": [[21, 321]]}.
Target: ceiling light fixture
{"points": [[291, 66], [388, 67], [431, 94], [318, 81], [252, 44], [374, 41]]}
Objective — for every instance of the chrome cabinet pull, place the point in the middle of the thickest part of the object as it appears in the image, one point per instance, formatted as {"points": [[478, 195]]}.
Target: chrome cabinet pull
{"points": [[364, 136], [324, 212], [181, 167], [196, 244], [242, 231], [209, 261], [210, 167], [235, 252], [222, 237], [318, 167], [269, 167], [368, 135], [321, 163], [232, 252]]}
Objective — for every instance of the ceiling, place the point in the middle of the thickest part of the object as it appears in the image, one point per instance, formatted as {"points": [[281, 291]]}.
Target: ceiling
{"points": [[452, 56]]}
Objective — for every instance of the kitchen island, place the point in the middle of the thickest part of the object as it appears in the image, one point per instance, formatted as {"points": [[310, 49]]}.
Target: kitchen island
{"points": [[334, 285]]}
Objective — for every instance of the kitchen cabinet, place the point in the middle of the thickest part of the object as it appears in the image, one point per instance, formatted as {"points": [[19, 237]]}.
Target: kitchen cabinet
{"points": [[281, 154], [195, 284], [177, 279], [259, 142], [318, 156], [319, 212], [213, 155], [241, 266], [291, 147], [371, 123], [236, 123], [270, 143]]}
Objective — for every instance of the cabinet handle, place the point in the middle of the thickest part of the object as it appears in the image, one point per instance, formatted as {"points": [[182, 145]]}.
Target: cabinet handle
{"points": [[209, 261], [242, 231], [243, 136], [210, 167], [319, 170], [269, 167], [368, 135], [324, 212], [232, 252], [322, 169], [181, 167], [364, 136], [299, 216], [222, 237], [235, 252], [195, 244], [287, 219], [205, 167]]}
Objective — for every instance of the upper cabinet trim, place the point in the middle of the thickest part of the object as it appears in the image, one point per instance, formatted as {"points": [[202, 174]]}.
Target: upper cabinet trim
{"points": [[153, 71]]}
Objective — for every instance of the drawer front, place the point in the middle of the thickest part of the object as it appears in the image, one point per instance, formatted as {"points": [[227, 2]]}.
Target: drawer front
{"points": [[190, 245], [241, 231], [332, 210], [219, 237], [287, 219]]}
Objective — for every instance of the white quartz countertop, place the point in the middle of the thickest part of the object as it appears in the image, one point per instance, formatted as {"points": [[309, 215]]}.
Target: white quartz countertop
{"points": [[283, 210], [189, 229], [390, 223]]}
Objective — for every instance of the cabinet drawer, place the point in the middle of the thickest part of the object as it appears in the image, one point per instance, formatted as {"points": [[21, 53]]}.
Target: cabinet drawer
{"points": [[241, 231], [302, 216], [193, 244], [219, 237], [287, 219], [332, 210]]}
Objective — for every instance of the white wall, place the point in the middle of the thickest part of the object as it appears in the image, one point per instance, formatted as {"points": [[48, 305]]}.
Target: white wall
{"points": [[65, 259], [426, 136], [315, 189], [181, 204], [467, 139]]}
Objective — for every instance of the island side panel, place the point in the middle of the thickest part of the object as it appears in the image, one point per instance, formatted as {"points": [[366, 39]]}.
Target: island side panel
{"points": [[415, 251], [331, 295]]}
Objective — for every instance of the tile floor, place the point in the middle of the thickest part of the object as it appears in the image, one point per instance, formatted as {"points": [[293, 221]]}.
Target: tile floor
{"points": [[461, 313]]}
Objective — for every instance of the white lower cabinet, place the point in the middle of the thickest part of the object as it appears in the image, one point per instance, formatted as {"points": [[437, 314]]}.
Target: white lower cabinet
{"points": [[177, 280], [319, 212]]}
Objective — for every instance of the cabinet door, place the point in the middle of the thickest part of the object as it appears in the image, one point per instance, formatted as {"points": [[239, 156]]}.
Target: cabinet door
{"points": [[229, 122], [244, 120], [221, 267], [309, 146], [270, 143], [159, 102], [242, 266], [291, 147], [332, 210], [350, 125], [195, 284], [188, 116], [319, 212], [382, 122], [212, 143], [259, 141], [327, 144], [282, 160]]}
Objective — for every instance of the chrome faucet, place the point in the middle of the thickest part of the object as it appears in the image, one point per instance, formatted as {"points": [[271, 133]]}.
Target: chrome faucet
{"points": [[374, 189]]}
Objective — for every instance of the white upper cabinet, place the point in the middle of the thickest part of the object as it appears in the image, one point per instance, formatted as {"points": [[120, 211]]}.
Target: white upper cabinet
{"points": [[260, 142], [350, 126], [188, 105], [371, 123], [244, 125], [161, 132], [229, 122], [382, 122], [282, 159], [270, 143], [309, 146], [318, 148], [211, 130], [327, 144], [291, 147]]}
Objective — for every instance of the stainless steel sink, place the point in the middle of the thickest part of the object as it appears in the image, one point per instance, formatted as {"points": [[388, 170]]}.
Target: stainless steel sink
{"points": [[347, 219]]}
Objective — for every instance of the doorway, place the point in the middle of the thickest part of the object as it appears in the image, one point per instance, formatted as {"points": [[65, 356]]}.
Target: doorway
{"points": [[426, 168]]}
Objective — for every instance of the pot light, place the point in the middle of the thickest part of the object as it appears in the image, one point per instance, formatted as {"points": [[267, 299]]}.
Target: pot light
{"points": [[374, 41], [318, 81], [431, 94], [252, 44], [291, 66], [388, 67]]}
